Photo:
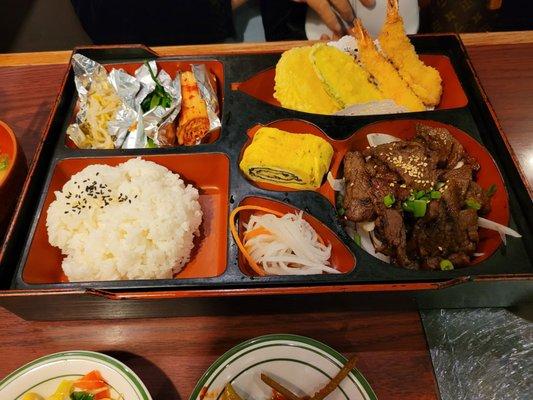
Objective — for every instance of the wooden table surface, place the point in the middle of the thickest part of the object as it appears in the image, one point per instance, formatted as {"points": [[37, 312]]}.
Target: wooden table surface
{"points": [[171, 354]]}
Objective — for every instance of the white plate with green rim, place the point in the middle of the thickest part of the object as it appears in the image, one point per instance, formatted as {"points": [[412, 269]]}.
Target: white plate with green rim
{"points": [[301, 364], [43, 375]]}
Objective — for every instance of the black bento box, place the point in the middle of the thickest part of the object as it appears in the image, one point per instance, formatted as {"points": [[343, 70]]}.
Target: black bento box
{"points": [[504, 279]]}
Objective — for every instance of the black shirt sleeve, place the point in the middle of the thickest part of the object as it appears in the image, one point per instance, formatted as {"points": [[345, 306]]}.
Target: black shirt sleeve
{"points": [[156, 22]]}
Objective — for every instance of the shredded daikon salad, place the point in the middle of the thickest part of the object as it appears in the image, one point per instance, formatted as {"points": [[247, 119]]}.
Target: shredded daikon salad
{"points": [[274, 243]]}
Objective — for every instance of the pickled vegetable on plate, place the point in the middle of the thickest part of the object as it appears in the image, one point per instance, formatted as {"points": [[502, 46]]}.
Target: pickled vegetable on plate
{"points": [[94, 384], [230, 393], [193, 123], [91, 386]]}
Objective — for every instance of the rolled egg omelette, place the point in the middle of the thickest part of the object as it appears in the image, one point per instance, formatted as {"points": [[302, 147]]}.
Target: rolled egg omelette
{"points": [[294, 160]]}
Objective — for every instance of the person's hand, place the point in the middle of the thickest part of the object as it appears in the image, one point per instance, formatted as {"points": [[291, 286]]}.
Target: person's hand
{"points": [[330, 11]]}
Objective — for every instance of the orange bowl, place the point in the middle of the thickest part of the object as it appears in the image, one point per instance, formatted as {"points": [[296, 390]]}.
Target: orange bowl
{"points": [[11, 179], [341, 257], [489, 173], [209, 172]]}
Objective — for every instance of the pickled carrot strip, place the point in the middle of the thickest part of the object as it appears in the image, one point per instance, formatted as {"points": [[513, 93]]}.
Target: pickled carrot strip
{"points": [[255, 232]]}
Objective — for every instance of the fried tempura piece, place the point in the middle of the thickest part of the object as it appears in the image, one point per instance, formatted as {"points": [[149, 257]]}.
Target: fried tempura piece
{"points": [[344, 80], [193, 123], [389, 81], [297, 86], [425, 81]]}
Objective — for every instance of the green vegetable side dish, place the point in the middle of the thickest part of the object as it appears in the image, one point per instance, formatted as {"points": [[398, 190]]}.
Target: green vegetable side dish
{"points": [[446, 265], [158, 97]]}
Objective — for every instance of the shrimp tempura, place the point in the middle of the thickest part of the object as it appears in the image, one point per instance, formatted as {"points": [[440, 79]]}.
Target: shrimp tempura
{"points": [[424, 80], [387, 78]]}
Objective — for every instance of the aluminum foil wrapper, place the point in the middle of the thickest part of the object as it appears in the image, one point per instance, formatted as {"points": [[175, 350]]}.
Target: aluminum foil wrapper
{"points": [[208, 93], [86, 71], [137, 138], [156, 120]]}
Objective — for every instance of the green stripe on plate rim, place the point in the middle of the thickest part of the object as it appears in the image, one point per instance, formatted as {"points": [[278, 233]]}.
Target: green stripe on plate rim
{"points": [[132, 378], [280, 337]]}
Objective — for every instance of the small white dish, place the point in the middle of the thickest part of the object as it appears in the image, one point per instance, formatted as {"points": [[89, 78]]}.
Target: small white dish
{"points": [[43, 375], [302, 364]]}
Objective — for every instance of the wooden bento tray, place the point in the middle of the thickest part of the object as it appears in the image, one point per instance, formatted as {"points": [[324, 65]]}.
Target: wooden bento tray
{"points": [[30, 267]]}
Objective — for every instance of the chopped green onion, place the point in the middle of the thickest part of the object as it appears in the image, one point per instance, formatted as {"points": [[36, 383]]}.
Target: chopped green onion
{"points": [[357, 239], [439, 185], [419, 208], [389, 200], [491, 190], [420, 194], [471, 203], [435, 195], [416, 207], [446, 265]]}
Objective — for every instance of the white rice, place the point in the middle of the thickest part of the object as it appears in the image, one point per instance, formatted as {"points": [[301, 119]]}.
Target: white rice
{"points": [[148, 235]]}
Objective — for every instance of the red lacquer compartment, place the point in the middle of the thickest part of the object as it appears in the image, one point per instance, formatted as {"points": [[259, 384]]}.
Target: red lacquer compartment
{"points": [[12, 174], [300, 126], [209, 173], [488, 175], [261, 85], [216, 68], [341, 258]]}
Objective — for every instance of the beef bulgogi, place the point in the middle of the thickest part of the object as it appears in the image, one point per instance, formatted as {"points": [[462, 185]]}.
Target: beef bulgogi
{"points": [[422, 197]]}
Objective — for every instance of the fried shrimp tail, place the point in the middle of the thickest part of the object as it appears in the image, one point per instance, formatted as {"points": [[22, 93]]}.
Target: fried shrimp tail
{"points": [[387, 78], [424, 80]]}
